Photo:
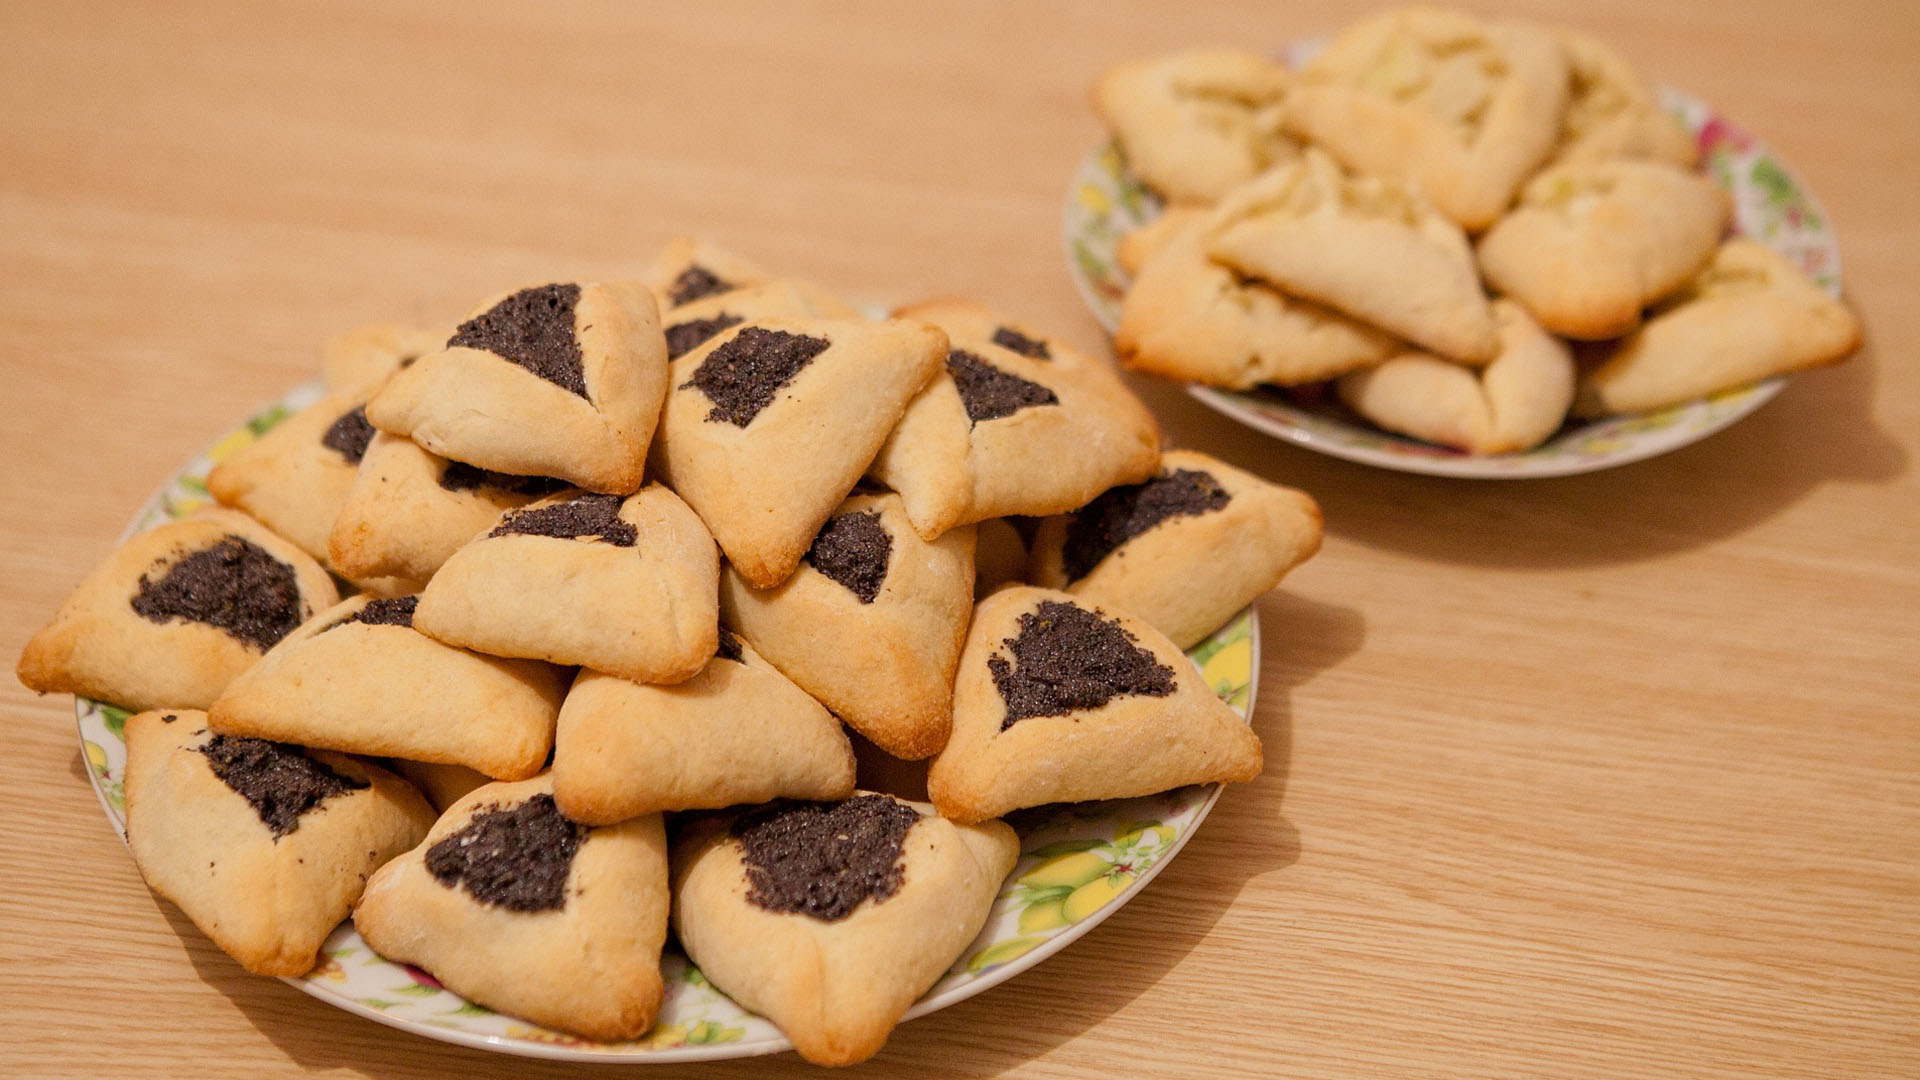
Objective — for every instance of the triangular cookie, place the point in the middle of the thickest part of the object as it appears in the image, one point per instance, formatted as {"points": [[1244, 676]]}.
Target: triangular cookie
{"points": [[410, 509], [514, 906], [1060, 701], [871, 623], [1590, 244], [358, 678], [1614, 113], [295, 478], [554, 380], [173, 615], [831, 919], [624, 586], [358, 361], [1188, 317], [1372, 248], [1194, 124], [1464, 108], [738, 732], [1183, 551], [690, 325], [1019, 423], [1510, 405], [1749, 315], [264, 846], [690, 269], [769, 425]]}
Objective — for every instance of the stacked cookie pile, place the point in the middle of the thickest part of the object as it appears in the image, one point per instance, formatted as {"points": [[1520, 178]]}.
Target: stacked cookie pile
{"points": [[1427, 214], [625, 550]]}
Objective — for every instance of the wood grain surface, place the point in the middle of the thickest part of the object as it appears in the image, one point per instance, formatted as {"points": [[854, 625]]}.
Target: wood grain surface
{"points": [[1611, 776]]}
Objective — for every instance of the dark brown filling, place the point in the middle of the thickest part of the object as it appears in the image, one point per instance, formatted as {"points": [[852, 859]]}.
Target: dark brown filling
{"points": [[584, 517], [1066, 658], [695, 282], [350, 435], [280, 781], [460, 476], [517, 858], [729, 646], [854, 550], [990, 393], [1008, 338], [683, 338], [824, 859], [234, 586], [534, 329], [743, 374], [1122, 513], [383, 611]]}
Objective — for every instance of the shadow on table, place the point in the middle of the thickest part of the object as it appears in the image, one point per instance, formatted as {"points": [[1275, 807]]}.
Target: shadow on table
{"points": [[1819, 430], [1247, 838]]}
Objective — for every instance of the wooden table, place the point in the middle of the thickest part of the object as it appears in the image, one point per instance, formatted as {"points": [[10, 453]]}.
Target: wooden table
{"points": [[1610, 776]]}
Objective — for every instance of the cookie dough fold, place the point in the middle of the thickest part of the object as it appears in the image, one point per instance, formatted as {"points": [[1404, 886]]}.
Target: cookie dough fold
{"points": [[1194, 124]]}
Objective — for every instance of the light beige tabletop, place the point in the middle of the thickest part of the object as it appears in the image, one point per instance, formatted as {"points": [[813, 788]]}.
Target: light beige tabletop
{"points": [[1610, 776]]}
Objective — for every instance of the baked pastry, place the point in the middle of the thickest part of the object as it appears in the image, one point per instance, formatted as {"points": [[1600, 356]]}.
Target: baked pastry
{"points": [[999, 555], [738, 732], [358, 678], [1748, 316], [1190, 318], [1371, 248], [1510, 405], [512, 905], [358, 361], [1183, 551], [443, 785], [1592, 243], [410, 509], [173, 615], [556, 380], [688, 269], [1613, 113], [1194, 124], [870, 624], [831, 919], [264, 846], [624, 586], [1466, 109], [294, 479], [691, 324], [769, 425], [1060, 701], [1018, 424]]}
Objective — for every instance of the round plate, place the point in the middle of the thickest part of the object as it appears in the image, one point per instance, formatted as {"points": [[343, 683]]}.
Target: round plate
{"points": [[1105, 202], [1078, 864]]}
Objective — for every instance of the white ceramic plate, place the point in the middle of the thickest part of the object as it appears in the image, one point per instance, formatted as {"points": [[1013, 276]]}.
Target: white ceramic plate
{"points": [[1105, 201], [1079, 863]]}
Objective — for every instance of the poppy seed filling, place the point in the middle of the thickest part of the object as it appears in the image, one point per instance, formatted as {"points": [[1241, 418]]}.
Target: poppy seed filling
{"points": [[1008, 338], [460, 476], [517, 858], [279, 781], [1066, 658], [683, 338], [823, 860], [383, 611], [989, 393], [585, 517], [235, 586], [349, 435], [1122, 513], [854, 550], [695, 282], [742, 375], [533, 328]]}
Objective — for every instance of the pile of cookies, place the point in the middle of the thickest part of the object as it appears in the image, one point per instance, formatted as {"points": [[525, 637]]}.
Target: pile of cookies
{"points": [[619, 551], [1473, 228]]}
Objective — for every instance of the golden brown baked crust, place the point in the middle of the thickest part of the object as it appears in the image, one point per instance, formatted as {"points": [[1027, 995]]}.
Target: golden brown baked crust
{"points": [[1193, 124]]}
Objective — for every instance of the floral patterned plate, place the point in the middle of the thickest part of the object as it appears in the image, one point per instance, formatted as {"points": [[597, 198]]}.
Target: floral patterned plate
{"points": [[1105, 201], [1078, 864]]}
